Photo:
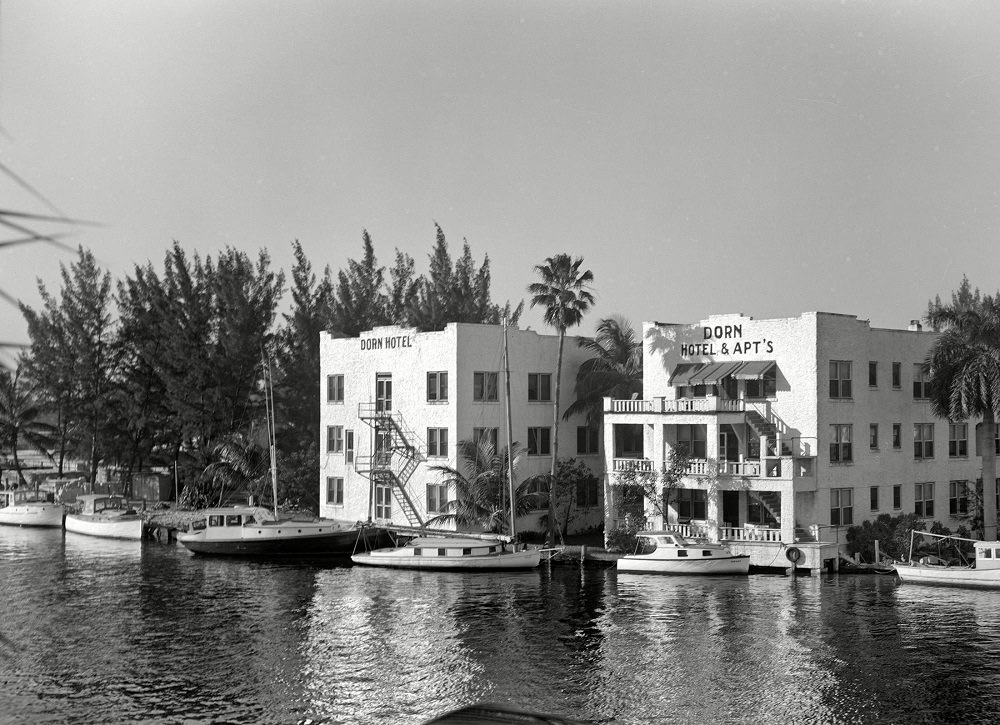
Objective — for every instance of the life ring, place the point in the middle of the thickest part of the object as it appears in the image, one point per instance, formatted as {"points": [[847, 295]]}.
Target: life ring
{"points": [[793, 554]]}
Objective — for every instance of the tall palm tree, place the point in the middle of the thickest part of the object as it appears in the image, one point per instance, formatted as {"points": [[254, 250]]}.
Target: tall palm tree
{"points": [[964, 369], [21, 418], [480, 484], [564, 293], [614, 371]]}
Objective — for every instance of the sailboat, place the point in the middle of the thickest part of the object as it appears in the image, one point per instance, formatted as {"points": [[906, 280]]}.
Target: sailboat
{"points": [[981, 571], [445, 550], [253, 531]]}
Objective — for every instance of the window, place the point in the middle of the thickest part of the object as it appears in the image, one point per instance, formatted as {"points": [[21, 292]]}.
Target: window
{"points": [[840, 378], [897, 496], [897, 375], [383, 501], [873, 498], [539, 441], [897, 436], [958, 440], [872, 374], [437, 387], [334, 388], [588, 492], [873, 436], [692, 439], [335, 439], [486, 435], [539, 387], [349, 446], [335, 491], [692, 503], [958, 498], [437, 498], [921, 384], [437, 442], [840, 444], [587, 442], [484, 387], [538, 493], [923, 440], [765, 387], [923, 499], [841, 507]]}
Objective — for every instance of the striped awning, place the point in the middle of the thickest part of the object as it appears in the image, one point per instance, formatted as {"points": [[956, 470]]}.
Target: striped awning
{"points": [[754, 370], [713, 373], [683, 372]]}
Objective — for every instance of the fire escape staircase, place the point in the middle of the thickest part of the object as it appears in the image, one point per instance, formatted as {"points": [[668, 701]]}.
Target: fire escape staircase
{"points": [[395, 459]]}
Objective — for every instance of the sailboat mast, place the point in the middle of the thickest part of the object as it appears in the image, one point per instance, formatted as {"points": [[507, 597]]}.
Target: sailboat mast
{"points": [[510, 441], [269, 411]]}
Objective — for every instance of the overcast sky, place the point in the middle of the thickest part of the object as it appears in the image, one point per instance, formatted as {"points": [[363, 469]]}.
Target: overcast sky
{"points": [[703, 157]]}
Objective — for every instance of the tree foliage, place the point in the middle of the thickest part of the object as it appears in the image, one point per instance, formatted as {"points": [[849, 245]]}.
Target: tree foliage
{"points": [[481, 490], [21, 418], [613, 371], [964, 374]]}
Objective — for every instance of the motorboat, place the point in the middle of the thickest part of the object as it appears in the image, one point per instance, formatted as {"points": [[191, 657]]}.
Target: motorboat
{"points": [[666, 552], [452, 553], [253, 531], [107, 515], [982, 571], [27, 507]]}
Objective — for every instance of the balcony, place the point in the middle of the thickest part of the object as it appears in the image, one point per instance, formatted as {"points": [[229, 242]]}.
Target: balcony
{"points": [[785, 467], [679, 405]]}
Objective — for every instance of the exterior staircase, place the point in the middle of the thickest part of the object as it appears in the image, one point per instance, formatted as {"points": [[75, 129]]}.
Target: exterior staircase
{"points": [[396, 455], [771, 501], [768, 428]]}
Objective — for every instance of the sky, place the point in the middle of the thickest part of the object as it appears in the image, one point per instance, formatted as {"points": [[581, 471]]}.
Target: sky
{"points": [[703, 157]]}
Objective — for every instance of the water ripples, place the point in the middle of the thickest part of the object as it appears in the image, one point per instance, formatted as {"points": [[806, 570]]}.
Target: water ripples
{"points": [[101, 631]]}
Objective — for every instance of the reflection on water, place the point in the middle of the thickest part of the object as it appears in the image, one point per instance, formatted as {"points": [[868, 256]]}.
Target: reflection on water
{"points": [[99, 631]]}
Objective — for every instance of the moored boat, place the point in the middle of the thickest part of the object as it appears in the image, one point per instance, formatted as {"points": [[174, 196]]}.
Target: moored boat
{"points": [[982, 571], [106, 515], [27, 507], [665, 552], [452, 553], [249, 531]]}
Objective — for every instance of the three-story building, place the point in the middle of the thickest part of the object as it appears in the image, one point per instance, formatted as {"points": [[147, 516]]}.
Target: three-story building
{"points": [[795, 429], [396, 402]]}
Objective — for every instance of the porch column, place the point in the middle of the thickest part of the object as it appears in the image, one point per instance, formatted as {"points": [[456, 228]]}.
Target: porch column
{"points": [[714, 513], [787, 513]]}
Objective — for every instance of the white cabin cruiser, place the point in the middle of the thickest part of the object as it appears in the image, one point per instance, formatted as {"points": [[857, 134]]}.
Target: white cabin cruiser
{"points": [[666, 552]]}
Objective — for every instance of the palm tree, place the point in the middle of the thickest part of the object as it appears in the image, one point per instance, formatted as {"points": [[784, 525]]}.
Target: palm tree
{"points": [[21, 418], [615, 370], [964, 369], [480, 484], [564, 294], [240, 463]]}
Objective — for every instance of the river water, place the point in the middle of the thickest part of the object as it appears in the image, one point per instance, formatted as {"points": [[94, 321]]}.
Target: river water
{"points": [[104, 631]]}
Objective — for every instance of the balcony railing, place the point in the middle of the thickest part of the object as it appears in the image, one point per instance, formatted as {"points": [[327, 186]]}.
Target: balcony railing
{"points": [[678, 405], [749, 532], [621, 465]]}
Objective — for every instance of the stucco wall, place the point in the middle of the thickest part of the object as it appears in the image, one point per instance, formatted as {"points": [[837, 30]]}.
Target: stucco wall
{"points": [[460, 350]]}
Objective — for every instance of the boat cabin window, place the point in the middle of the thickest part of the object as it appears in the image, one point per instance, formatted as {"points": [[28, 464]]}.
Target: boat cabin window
{"points": [[418, 552], [442, 552], [215, 520], [682, 552], [466, 552], [233, 520], [706, 552], [986, 553]]}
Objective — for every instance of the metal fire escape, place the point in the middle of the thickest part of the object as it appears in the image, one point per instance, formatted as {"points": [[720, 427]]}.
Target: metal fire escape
{"points": [[396, 454]]}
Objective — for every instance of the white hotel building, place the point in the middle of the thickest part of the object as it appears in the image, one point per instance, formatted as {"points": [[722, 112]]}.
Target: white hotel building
{"points": [[797, 428], [396, 402]]}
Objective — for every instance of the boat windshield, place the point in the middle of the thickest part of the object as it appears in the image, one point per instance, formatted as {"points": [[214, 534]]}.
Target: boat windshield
{"points": [[645, 545]]}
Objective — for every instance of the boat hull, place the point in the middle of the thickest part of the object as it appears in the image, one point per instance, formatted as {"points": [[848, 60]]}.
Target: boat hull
{"points": [[735, 564], [122, 527], [955, 576], [50, 515], [285, 539]]}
